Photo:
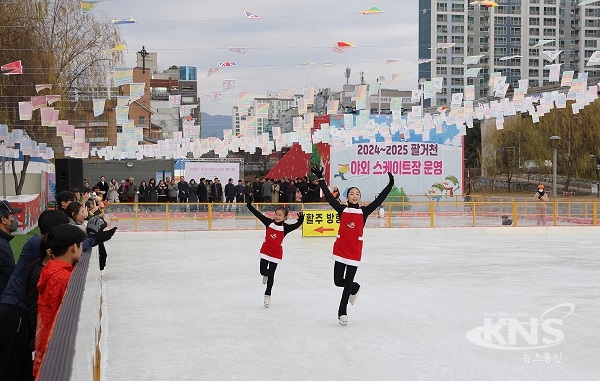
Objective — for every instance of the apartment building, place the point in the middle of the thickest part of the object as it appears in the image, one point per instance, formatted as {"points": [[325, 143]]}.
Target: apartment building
{"points": [[523, 28]]}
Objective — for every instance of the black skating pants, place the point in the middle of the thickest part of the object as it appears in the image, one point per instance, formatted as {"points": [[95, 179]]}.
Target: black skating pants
{"points": [[267, 268], [343, 276]]}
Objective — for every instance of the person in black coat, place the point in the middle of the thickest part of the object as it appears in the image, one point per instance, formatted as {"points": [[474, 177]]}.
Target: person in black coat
{"points": [[217, 190], [239, 192], [103, 185], [257, 190], [184, 190], [202, 194], [248, 191], [229, 192], [283, 191]]}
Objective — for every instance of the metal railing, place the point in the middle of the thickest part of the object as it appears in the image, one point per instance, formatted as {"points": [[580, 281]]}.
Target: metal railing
{"points": [[422, 214]]}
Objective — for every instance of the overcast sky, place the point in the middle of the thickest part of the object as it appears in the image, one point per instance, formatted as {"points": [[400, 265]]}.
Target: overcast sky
{"points": [[200, 33]]}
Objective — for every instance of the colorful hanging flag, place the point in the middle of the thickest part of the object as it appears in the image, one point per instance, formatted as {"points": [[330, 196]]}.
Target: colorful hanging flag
{"points": [[25, 110], [587, 2], [251, 15], [542, 42], [126, 20], [594, 59], [371, 11], [305, 63], [227, 64], [374, 88], [228, 84], [243, 100], [14, 67], [212, 71], [328, 64], [423, 60], [215, 96], [332, 106], [262, 110], [239, 50], [51, 99], [39, 88], [390, 61], [342, 47], [136, 90], [472, 60], [395, 77], [38, 102], [123, 76], [117, 48], [550, 55], [98, 106], [444, 45], [509, 58], [174, 100], [87, 6]]}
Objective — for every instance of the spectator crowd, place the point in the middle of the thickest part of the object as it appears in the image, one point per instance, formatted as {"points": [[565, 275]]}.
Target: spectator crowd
{"points": [[265, 190]]}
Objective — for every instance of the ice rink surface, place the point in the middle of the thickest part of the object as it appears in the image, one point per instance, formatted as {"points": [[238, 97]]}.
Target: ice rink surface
{"points": [[190, 307]]}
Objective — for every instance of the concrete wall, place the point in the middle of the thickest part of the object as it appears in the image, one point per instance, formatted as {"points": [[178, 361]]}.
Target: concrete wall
{"points": [[33, 178]]}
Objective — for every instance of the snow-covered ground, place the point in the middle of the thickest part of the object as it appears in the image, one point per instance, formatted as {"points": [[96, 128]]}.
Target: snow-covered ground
{"points": [[189, 306]]}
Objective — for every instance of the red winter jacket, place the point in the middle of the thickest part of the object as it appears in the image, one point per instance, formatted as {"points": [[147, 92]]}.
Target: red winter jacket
{"points": [[51, 287]]}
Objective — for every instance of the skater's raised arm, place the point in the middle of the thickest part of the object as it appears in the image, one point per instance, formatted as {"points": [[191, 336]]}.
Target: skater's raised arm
{"points": [[287, 228], [328, 196], [379, 200], [264, 219]]}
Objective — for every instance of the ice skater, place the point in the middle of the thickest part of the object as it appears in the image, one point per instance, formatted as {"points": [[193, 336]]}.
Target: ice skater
{"points": [[347, 249], [271, 251]]}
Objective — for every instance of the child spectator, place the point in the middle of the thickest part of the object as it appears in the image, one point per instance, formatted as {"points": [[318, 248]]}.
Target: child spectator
{"points": [[65, 244], [18, 304], [271, 252], [347, 249]]}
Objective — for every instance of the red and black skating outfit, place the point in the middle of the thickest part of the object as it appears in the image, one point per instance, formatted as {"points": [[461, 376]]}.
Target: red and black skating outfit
{"points": [[271, 251], [347, 249]]}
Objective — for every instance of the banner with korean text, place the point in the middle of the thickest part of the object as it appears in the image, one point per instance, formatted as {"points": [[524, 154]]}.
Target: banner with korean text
{"points": [[209, 170], [423, 162]]}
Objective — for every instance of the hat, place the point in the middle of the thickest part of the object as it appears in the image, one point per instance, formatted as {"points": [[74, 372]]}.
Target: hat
{"points": [[540, 186], [6, 208]]}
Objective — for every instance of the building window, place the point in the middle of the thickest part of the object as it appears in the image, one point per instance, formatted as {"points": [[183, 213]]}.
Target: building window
{"points": [[534, 21], [458, 8], [458, 18], [442, 7], [442, 70], [142, 120], [442, 18]]}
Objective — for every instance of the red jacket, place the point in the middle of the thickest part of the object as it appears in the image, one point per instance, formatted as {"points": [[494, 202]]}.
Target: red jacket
{"points": [[52, 286]]}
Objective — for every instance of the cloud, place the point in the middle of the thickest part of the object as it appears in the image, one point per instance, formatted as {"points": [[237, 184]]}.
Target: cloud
{"points": [[191, 33]]}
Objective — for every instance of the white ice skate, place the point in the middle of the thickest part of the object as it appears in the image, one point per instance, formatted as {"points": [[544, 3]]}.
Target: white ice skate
{"points": [[352, 298], [267, 301], [343, 320], [265, 279]]}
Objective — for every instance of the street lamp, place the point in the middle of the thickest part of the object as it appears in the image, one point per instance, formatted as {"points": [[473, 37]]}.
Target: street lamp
{"points": [[379, 80], [554, 140]]}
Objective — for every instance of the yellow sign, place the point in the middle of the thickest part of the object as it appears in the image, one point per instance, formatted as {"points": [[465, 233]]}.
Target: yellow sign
{"points": [[320, 223]]}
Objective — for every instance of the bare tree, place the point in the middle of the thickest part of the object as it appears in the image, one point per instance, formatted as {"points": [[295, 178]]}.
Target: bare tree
{"points": [[58, 45]]}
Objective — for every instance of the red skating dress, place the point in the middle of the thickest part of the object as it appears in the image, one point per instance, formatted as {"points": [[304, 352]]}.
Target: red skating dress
{"points": [[349, 243]]}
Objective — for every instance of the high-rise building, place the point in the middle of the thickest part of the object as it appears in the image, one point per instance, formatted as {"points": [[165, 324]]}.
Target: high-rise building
{"points": [[277, 107], [514, 28]]}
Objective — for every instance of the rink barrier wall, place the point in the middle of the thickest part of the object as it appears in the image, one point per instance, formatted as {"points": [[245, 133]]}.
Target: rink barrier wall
{"points": [[398, 232], [436, 213], [73, 351]]}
